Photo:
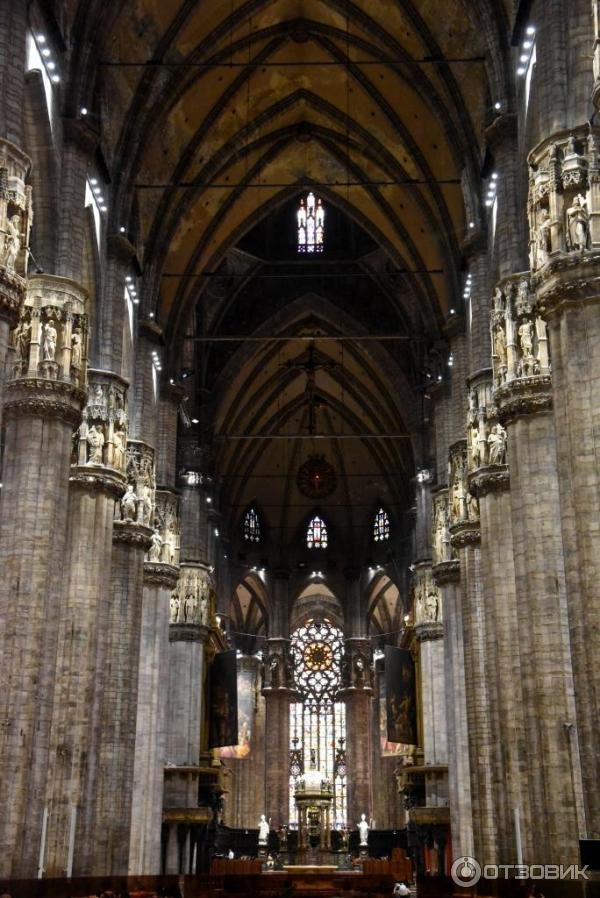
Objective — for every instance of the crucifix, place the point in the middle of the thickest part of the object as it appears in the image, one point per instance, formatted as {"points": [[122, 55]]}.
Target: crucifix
{"points": [[310, 367]]}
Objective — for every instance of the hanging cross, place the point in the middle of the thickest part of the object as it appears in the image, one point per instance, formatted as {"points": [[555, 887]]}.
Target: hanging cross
{"points": [[310, 367]]}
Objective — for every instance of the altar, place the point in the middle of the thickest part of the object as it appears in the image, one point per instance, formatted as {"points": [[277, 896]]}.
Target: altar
{"points": [[314, 797]]}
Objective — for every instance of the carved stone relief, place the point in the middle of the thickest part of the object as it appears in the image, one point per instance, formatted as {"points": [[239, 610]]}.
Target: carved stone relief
{"points": [[193, 599]]}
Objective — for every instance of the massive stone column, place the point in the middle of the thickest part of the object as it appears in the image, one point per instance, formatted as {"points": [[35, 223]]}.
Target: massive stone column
{"points": [[465, 538], [278, 692], [447, 576], [132, 538], [191, 617], [568, 299], [489, 483], [429, 630], [357, 693], [160, 578], [97, 480], [15, 222], [523, 398], [42, 403]]}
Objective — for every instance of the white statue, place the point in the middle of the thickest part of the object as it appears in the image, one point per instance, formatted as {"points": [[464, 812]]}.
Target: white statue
{"points": [[119, 441], [500, 345], [174, 607], [497, 444], [578, 224], [544, 237], [12, 243], [263, 830], [76, 349], [363, 829], [526, 339], [95, 440], [432, 607], [155, 549], [49, 341], [146, 504], [129, 504]]}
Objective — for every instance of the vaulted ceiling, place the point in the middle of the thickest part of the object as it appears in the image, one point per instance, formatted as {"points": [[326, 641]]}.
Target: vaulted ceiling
{"points": [[215, 116]]}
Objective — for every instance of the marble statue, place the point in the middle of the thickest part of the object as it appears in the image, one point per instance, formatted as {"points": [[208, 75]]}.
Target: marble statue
{"points": [[497, 444], [119, 443], [155, 549], [431, 605], [49, 341], [472, 508], [263, 830], [475, 451], [21, 338], [500, 345], [129, 504], [578, 224], [526, 339], [12, 243], [544, 237], [76, 349], [174, 606], [363, 829], [95, 440]]}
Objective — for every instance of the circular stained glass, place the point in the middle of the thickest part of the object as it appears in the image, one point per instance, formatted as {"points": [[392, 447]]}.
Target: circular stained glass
{"points": [[317, 650], [316, 478]]}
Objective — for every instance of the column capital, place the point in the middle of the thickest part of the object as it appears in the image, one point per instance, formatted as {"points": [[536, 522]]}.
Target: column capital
{"points": [[568, 281], [132, 533], [428, 631], [356, 666], [446, 572], [160, 574], [489, 479], [525, 396], [13, 289], [44, 399], [106, 481], [189, 633], [466, 533], [15, 223]]}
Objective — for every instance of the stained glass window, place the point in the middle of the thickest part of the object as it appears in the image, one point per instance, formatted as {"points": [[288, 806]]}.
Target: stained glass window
{"points": [[381, 526], [316, 535], [318, 721], [311, 225], [252, 526]]}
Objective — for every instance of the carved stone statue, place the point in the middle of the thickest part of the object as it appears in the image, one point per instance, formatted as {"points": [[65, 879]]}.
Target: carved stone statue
{"points": [[21, 339], [95, 440], [174, 607], [497, 445], [49, 341], [155, 549], [472, 508], [263, 830], [431, 605], [129, 504], [76, 349], [12, 243], [544, 237], [500, 345], [363, 830], [526, 339], [475, 451], [578, 224], [120, 448]]}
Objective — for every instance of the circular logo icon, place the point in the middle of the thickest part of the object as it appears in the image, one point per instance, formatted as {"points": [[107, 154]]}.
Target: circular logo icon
{"points": [[465, 872]]}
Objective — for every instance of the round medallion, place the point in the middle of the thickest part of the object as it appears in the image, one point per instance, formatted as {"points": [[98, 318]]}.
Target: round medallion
{"points": [[318, 656], [316, 477]]}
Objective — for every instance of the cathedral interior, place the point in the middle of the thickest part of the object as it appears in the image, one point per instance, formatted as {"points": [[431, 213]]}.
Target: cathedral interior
{"points": [[299, 504]]}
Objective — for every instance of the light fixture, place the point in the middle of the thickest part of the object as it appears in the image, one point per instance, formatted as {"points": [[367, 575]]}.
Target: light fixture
{"points": [[216, 533], [40, 38], [150, 314], [51, 65], [524, 57], [194, 420], [83, 110], [209, 500], [471, 224], [527, 45], [93, 181], [497, 105], [452, 312], [531, 29], [55, 79], [128, 278], [122, 229], [46, 52]]}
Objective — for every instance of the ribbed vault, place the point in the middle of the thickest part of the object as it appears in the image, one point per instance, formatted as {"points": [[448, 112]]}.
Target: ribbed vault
{"points": [[216, 116]]}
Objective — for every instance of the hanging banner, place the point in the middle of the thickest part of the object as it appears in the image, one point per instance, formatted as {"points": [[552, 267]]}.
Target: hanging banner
{"points": [[387, 748], [247, 673], [400, 696], [223, 715]]}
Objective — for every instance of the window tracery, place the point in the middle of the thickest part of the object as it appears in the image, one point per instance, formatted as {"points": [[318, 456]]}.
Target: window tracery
{"points": [[381, 526], [316, 534], [311, 224], [251, 526]]}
